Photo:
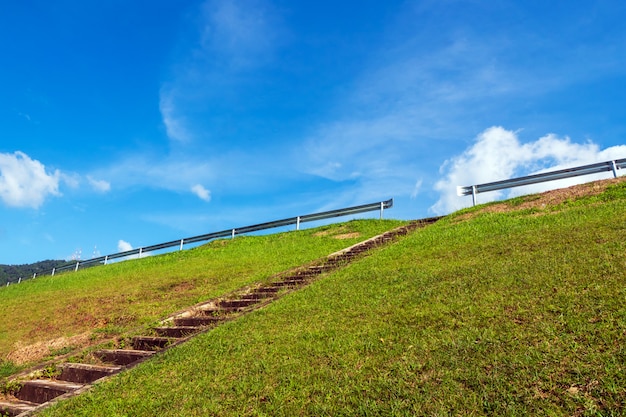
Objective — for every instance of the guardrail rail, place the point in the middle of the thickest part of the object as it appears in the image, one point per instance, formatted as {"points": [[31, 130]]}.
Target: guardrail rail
{"points": [[473, 190], [297, 220]]}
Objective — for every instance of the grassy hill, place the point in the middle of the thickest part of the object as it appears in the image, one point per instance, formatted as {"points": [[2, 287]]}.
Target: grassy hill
{"points": [[47, 316], [513, 308]]}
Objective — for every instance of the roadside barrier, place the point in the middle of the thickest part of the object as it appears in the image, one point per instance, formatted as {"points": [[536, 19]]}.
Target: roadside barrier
{"points": [[103, 260], [546, 176]]}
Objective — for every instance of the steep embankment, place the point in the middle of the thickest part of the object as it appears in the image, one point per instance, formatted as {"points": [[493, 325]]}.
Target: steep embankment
{"points": [[51, 316], [515, 308]]}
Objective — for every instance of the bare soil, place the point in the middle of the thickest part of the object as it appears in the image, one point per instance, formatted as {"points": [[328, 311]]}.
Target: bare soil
{"points": [[347, 235], [31, 353]]}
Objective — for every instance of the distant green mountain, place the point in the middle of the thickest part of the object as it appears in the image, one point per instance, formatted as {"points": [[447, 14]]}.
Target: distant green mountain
{"points": [[12, 273]]}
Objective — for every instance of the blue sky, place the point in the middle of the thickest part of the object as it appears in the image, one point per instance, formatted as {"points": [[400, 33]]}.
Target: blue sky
{"points": [[126, 123]]}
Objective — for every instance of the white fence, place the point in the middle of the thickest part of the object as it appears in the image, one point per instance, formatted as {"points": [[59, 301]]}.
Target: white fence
{"points": [[74, 266], [599, 167]]}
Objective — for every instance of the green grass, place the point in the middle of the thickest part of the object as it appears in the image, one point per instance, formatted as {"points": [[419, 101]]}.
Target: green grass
{"points": [[516, 313], [109, 300]]}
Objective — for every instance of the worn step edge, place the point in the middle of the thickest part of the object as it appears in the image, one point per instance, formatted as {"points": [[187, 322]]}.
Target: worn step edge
{"points": [[152, 342], [83, 373], [43, 390], [16, 407], [177, 331], [122, 357], [237, 303]]}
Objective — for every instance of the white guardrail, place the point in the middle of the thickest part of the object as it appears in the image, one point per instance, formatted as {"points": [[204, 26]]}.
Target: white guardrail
{"points": [[74, 266], [546, 176]]}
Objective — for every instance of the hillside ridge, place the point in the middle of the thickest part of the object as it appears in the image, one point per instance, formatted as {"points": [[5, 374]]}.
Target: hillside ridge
{"points": [[39, 387]]}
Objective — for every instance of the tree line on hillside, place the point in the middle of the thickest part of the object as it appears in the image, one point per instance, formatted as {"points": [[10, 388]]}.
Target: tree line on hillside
{"points": [[12, 273]]}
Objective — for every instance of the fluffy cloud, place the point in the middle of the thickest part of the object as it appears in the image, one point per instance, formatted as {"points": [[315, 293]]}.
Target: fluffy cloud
{"points": [[24, 182], [201, 192], [124, 246], [497, 154]]}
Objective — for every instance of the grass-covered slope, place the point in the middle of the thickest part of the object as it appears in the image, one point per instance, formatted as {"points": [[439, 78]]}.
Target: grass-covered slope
{"points": [[48, 316], [516, 308]]}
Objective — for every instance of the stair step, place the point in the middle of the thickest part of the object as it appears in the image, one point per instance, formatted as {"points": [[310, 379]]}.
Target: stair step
{"points": [[303, 274], [151, 342], [270, 290], [197, 321], [177, 331], [16, 407], [237, 303], [219, 311], [288, 283], [43, 390], [297, 277], [256, 296], [318, 269], [83, 373], [122, 356]]}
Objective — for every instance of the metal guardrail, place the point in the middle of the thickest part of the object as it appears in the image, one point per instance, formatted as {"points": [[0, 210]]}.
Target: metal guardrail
{"points": [[382, 205], [599, 167]]}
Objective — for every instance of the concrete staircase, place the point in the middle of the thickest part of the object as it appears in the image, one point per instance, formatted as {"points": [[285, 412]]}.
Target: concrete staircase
{"points": [[69, 379]]}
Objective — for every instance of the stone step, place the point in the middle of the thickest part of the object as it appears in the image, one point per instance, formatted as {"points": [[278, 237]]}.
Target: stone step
{"points": [[218, 312], [303, 274], [16, 407], [256, 296], [288, 283], [151, 342], [237, 303], [177, 331], [268, 289], [320, 269], [197, 321], [122, 357], [298, 277], [43, 390], [83, 373]]}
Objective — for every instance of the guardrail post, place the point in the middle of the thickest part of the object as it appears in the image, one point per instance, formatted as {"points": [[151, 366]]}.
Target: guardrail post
{"points": [[140, 252], [474, 194], [232, 235], [298, 223], [382, 208], [614, 166], [106, 259], [34, 275], [77, 263], [53, 270], [20, 280], [181, 244]]}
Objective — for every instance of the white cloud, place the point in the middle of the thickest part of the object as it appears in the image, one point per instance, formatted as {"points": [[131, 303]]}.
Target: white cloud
{"points": [[99, 185], [201, 192], [24, 182], [416, 189], [124, 246], [497, 154], [71, 180], [175, 124]]}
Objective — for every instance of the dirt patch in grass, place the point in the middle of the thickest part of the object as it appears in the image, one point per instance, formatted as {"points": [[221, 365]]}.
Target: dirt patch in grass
{"points": [[348, 235], [334, 231], [37, 351]]}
